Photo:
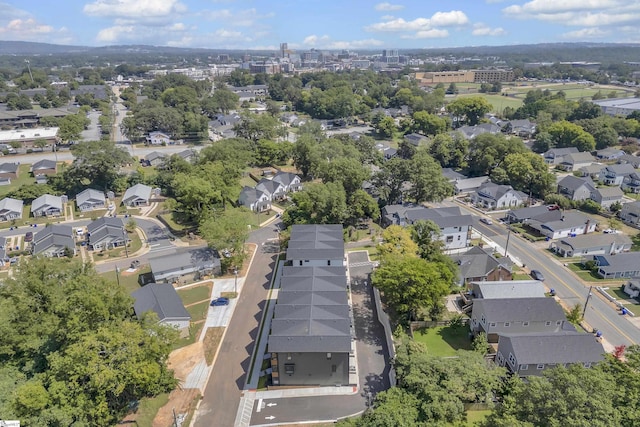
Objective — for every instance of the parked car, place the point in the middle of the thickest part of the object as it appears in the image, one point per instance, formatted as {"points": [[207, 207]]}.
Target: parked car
{"points": [[28, 237], [219, 301], [537, 275], [486, 221]]}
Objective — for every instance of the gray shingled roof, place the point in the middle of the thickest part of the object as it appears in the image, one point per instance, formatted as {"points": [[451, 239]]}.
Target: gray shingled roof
{"points": [[628, 261], [8, 168], [91, 196], [478, 262], [573, 182], [316, 242], [538, 348], [566, 221], [138, 191], [46, 200], [161, 299], [11, 205], [587, 241], [183, 261], [43, 164], [510, 289], [520, 309], [53, 235], [284, 178]]}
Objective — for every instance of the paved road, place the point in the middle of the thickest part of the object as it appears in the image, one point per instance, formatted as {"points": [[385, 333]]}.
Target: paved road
{"points": [[222, 395], [373, 364], [616, 329]]}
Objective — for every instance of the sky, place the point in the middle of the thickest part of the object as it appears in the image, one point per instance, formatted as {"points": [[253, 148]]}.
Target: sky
{"points": [[320, 24]]}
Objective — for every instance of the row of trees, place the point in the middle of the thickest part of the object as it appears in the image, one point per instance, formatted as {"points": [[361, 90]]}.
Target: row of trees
{"points": [[71, 353]]}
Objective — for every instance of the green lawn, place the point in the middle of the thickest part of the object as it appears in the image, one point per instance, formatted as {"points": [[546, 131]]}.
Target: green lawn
{"points": [[587, 275], [198, 311], [127, 280], [476, 416], [498, 102], [195, 294], [148, 408], [24, 177], [444, 341], [119, 252]]}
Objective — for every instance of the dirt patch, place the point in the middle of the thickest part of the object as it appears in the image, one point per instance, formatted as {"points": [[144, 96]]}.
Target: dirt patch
{"points": [[181, 401], [183, 360], [211, 342]]}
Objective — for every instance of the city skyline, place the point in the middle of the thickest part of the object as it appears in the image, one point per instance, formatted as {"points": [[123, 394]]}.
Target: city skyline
{"points": [[357, 24]]}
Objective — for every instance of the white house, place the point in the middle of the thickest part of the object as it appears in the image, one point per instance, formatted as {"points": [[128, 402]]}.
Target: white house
{"points": [[158, 138], [494, 196], [138, 195], [10, 209], [90, 199]]}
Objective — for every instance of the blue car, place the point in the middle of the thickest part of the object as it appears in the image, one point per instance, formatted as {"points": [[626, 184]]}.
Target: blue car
{"points": [[220, 301]]}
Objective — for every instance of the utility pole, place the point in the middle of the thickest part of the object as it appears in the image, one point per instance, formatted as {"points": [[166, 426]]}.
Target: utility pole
{"points": [[126, 247], [584, 310], [506, 247]]}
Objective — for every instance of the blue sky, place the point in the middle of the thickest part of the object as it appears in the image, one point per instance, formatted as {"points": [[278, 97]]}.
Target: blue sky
{"points": [[321, 24]]}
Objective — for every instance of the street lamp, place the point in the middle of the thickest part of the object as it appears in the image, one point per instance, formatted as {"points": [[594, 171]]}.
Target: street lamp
{"points": [[584, 310]]}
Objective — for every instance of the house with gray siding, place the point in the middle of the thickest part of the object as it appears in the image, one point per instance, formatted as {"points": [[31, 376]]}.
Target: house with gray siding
{"points": [[54, 240], [632, 287], [618, 266], [631, 183], [311, 335], [494, 196], [106, 233], [254, 199], [575, 161], [607, 196], [163, 300], [138, 195], [184, 265], [630, 159], [576, 188], [90, 199], [615, 174], [570, 224], [516, 315], [554, 156], [630, 213], [47, 205], [316, 245], [531, 354], [592, 244], [10, 209]]}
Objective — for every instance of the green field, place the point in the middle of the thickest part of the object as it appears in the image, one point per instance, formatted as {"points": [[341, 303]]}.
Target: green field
{"points": [[443, 341], [498, 102]]}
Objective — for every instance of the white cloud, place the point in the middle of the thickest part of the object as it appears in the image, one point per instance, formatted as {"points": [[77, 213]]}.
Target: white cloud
{"points": [[439, 19], [427, 34], [116, 33], [241, 18], [388, 7], [325, 42], [481, 29], [135, 9], [586, 33], [555, 6]]}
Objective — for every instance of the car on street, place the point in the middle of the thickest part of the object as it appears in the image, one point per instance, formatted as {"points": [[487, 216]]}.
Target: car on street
{"points": [[28, 237], [219, 301], [537, 275], [487, 221]]}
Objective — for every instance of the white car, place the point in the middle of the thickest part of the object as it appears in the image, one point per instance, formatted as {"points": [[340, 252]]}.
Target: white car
{"points": [[487, 221]]}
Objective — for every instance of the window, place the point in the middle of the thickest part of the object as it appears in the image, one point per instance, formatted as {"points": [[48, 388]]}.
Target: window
{"points": [[540, 366], [523, 367], [512, 359], [507, 324], [492, 324], [449, 239], [558, 322], [328, 356], [458, 237], [334, 368], [329, 262], [587, 364], [289, 368], [525, 323], [547, 323], [483, 319]]}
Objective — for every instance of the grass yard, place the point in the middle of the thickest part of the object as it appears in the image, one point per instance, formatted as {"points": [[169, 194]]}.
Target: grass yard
{"points": [[444, 341], [476, 416], [198, 311], [194, 333], [120, 251], [24, 177], [195, 294], [148, 408], [498, 102], [127, 280], [247, 181]]}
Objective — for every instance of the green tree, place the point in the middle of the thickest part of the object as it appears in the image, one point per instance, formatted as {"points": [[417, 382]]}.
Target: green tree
{"points": [[347, 170], [469, 110], [227, 229], [386, 127], [318, 204], [429, 185], [428, 124], [450, 150], [95, 163], [487, 152], [411, 283], [397, 242], [566, 134]]}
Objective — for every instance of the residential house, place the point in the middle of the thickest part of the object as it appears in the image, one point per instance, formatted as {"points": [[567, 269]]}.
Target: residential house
{"points": [[470, 132], [507, 289], [630, 213], [158, 138], [480, 264], [455, 227], [311, 336], [316, 245], [618, 266], [630, 159], [54, 240], [415, 139], [138, 195], [469, 185], [523, 128], [632, 287], [570, 224], [47, 205], [609, 153], [555, 155], [164, 301], [576, 188], [387, 152], [531, 354], [189, 155], [631, 183], [184, 265], [290, 181], [10, 209], [90, 199], [254, 199], [615, 174], [574, 161], [43, 167], [155, 158], [451, 175], [9, 171], [592, 171], [516, 315], [539, 213], [273, 189], [592, 244], [494, 196], [106, 233], [223, 124], [607, 196]]}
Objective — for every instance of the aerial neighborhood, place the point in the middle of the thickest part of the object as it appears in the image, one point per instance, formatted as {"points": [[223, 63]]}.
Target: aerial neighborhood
{"points": [[248, 234]]}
